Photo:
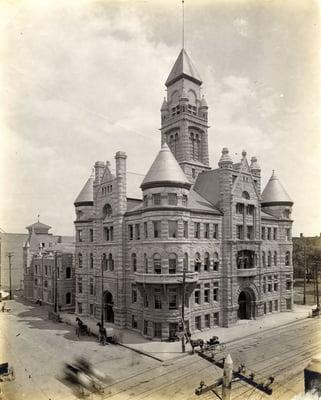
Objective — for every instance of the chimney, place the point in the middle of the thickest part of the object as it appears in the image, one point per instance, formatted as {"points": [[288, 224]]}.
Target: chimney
{"points": [[99, 170]]}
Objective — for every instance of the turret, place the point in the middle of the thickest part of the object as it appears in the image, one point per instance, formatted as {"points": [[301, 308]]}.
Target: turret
{"points": [[225, 160], [275, 199]]}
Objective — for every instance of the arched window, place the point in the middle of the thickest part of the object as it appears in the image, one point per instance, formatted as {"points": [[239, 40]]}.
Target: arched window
{"points": [[216, 262], [275, 258], [287, 258], [134, 262], [79, 260], [197, 262], [110, 262], [91, 261], [107, 211], [263, 259], [269, 263], [172, 263], [185, 262], [146, 263], [104, 262], [68, 298], [245, 195], [206, 262], [157, 264]]}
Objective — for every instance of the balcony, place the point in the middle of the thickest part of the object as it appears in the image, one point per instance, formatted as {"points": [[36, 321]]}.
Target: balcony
{"points": [[245, 272], [190, 277]]}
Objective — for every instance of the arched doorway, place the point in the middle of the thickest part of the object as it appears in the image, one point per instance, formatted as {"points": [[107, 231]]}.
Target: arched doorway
{"points": [[246, 305], [108, 307]]}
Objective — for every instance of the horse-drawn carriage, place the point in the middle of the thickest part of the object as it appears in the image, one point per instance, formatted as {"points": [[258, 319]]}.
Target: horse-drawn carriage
{"points": [[212, 344], [82, 329], [6, 372]]}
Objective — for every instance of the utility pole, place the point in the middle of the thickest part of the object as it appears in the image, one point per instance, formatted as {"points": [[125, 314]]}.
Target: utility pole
{"points": [[183, 309], [10, 254], [102, 294], [316, 266], [227, 378], [305, 271], [55, 282]]}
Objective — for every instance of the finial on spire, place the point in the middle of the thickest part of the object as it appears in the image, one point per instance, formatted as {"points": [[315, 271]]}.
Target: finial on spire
{"points": [[183, 22], [38, 217]]}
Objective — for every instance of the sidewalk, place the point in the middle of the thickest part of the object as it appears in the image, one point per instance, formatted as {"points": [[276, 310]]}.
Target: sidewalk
{"points": [[163, 351]]}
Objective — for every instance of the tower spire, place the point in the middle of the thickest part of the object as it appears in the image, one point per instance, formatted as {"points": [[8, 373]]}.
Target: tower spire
{"points": [[183, 23]]}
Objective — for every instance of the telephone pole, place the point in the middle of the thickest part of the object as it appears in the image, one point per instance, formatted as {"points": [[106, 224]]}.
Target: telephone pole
{"points": [[10, 254], [305, 271], [183, 309]]}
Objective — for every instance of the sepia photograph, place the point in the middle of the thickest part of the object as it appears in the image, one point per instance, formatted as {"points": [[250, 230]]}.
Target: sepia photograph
{"points": [[160, 213]]}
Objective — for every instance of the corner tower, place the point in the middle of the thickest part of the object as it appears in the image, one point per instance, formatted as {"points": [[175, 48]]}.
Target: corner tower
{"points": [[184, 117]]}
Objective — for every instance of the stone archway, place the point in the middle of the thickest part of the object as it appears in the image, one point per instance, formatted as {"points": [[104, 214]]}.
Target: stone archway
{"points": [[108, 307], [246, 301]]}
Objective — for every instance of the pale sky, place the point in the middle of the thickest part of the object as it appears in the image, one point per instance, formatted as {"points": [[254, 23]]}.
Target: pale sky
{"points": [[80, 80]]}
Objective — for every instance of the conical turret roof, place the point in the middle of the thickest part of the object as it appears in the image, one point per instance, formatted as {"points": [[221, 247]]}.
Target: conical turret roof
{"points": [[86, 196], [165, 171], [183, 68], [275, 194]]}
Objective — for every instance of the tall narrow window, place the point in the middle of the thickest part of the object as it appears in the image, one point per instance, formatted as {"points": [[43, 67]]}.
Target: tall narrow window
{"points": [[157, 229], [206, 231], [185, 229], [134, 262], [145, 230], [157, 264], [137, 231], [197, 233], [110, 262], [206, 262], [91, 235], [172, 199], [172, 263], [130, 232], [156, 199], [215, 231], [197, 262], [79, 260]]}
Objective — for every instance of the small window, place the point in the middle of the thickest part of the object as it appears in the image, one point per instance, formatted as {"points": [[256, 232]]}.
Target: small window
{"points": [[157, 300], [68, 273], [274, 233], [91, 235], [91, 261], [216, 318], [137, 231], [157, 264], [184, 200], [215, 291], [130, 232], [185, 229], [197, 295], [197, 262], [197, 228], [239, 232], [157, 229], [79, 235], [246, 195], [206, 295], [145, 230], [206, 231], [250, 232], [107, 211], [91, 286], [172, 299], [287, 258], [207, 320], [172, 199], [215, 231], [79, 306], [172, 229], [206, 262], [134, 262], [172, 263], [79, 260], [156, 199], [134, 294], [79, 285], [263, 233], [198, 324]]}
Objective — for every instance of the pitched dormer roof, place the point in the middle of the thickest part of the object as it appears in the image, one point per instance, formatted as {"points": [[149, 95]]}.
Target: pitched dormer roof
{"points": [[86, 196], [275, 194], [165, 171], [183, 68]]}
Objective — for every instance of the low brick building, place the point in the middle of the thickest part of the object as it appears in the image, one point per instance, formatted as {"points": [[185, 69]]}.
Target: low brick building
{"points": [[231, 242]]}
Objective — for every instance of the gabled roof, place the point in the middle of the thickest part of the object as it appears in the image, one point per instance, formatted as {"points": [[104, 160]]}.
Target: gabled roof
{"points": [[165, 171], [198, 203], [86, 196], [183, 68], [275, 194]]}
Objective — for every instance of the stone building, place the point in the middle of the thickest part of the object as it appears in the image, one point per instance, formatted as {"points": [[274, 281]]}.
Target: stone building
{"points": [[211, 227], [42, 251]]}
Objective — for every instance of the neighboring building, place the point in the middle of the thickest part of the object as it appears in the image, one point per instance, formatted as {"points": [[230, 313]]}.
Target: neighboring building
{"points": [[234, 242], [306, 250], [38, 259], [52, 274], [11, 243]]}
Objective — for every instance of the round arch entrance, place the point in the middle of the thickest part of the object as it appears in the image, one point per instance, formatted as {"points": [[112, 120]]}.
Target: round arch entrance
{"points": [[246, 303], [108, 307]]}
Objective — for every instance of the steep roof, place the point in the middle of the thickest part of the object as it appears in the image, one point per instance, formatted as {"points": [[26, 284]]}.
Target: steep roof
{"points": [[183, 68], [274, 193], [86, 196], [207, 185], [165, 171]]}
